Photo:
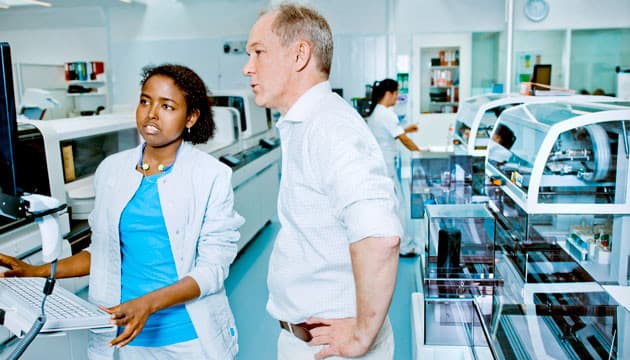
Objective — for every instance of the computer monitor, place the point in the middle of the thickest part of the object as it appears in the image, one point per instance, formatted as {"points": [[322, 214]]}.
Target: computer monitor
{"points": [[541, 75], [8, 123]]}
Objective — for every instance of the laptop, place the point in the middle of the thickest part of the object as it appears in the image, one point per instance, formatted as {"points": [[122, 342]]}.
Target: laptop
{"points": [[21, 298]]}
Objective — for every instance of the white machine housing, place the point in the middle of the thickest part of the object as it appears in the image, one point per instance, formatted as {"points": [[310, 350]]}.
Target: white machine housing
{"points": [[478, 115], [255, 179], [254, 120], [562, 199], [79, 192]]}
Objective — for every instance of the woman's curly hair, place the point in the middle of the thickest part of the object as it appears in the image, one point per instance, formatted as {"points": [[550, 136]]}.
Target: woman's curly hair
{"points": [[196, 95]]}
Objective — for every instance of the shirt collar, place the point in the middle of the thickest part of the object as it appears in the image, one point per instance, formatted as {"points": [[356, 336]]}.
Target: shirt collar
{"points": [[301, 109]]}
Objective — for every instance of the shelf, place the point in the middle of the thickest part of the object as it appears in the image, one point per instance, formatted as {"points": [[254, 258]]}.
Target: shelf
{"points": [[93, 83], [87, 94], [600, 272], [444, 103], [446, 67], [438, 65]]}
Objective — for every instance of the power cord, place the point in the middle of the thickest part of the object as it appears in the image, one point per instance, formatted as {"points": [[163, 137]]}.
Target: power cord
{"points": [[41, 319]]}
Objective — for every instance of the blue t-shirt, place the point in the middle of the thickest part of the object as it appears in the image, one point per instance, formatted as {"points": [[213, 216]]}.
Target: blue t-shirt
{"points": [[148, 265]]}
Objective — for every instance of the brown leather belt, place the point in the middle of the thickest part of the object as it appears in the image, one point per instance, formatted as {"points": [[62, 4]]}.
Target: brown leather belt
{"points": [[301, 331]]}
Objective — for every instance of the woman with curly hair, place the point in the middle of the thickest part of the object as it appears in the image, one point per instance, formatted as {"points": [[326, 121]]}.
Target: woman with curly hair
{"points": [[164, 233]]}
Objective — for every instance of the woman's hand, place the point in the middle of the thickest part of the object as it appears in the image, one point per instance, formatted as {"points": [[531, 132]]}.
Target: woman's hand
{"points": [[18, 268], [132, 315]]}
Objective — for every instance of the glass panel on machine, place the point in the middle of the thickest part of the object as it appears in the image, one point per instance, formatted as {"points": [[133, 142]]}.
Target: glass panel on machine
{"points": [[440, 178], [81, 156], [460, 248], [486, 125], [582, 165], [557, 326]]}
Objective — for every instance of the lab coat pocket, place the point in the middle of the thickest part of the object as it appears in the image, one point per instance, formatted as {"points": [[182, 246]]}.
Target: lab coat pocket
{"points": [[226, 337], [98, 343]]}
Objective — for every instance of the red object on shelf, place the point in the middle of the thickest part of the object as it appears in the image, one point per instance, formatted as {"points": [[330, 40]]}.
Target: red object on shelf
{"points": [[66, 68], [98, 67]]}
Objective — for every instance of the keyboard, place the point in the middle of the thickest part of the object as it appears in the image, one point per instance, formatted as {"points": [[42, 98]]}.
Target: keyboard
{"points": [[21, 299]]}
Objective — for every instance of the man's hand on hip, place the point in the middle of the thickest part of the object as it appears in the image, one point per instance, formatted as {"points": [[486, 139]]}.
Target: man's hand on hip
{"points": [[340, 337]]}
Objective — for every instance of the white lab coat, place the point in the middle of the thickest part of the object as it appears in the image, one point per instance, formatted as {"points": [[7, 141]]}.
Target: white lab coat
{"points": [[197, 199]]}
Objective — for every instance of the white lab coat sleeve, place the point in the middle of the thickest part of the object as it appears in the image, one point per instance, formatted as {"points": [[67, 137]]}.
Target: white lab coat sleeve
{"points": [[218, 237]]}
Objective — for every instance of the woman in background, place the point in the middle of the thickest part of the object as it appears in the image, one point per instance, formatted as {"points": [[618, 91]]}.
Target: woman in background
{"points": [[164, 233], [383, 122]]}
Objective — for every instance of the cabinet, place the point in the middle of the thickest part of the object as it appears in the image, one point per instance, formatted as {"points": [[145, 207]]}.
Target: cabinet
{"points": [[86, 86], [441, 72], [443, 75], [89, 102]]}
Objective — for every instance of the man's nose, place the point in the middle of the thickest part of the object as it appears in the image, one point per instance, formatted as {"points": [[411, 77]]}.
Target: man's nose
{"points": [[248, 69]]}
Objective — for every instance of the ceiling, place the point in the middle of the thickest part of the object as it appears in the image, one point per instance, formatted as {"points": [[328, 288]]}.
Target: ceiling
{"points": [[7, 5]]}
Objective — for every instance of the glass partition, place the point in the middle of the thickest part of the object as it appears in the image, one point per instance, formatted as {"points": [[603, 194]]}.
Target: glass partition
{"points": [[594, 56], [486, 69], [538, 47]]}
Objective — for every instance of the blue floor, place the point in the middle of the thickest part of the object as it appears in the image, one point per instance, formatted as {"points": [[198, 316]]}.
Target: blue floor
{"points": [[258, 332]]}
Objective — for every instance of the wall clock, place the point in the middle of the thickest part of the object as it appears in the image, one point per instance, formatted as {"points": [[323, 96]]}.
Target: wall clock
{"points": [[536, 10]]}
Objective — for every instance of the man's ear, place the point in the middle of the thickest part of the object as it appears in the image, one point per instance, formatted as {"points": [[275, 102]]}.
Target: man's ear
{"points": [[303, 53]]}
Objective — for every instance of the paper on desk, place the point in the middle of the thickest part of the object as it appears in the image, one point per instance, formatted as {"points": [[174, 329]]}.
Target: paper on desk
{"points": [[621, 294]]}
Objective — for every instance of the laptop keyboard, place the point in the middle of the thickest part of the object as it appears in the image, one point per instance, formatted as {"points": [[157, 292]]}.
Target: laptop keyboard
{"points": [[63, 308]]}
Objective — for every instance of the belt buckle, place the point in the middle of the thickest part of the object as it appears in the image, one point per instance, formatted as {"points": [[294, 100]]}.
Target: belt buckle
{"points": [[291, 328]]}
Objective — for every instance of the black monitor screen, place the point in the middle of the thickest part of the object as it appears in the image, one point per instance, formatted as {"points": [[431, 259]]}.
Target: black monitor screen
{"points": [[8, 123], [542, 74]]}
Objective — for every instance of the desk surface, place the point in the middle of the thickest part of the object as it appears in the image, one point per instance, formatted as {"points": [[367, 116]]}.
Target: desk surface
{"points": [[621, 294]]}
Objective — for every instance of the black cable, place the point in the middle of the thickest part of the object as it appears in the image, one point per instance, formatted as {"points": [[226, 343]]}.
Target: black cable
{"points": [[41, 319]]}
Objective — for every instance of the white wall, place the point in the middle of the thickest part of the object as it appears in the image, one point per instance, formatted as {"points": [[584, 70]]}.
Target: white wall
{"points": [[192, 32], [165, 19], [428, 16], [54, 36], [577, 14], [56, 45], [358, 17], [369, 57]]}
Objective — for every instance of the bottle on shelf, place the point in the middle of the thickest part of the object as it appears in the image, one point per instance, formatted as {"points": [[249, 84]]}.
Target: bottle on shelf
{"points": [[449, 138]]}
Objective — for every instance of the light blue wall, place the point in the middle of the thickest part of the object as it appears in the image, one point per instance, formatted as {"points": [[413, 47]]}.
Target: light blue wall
{"points": [[485, 50], [594, 56]]}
